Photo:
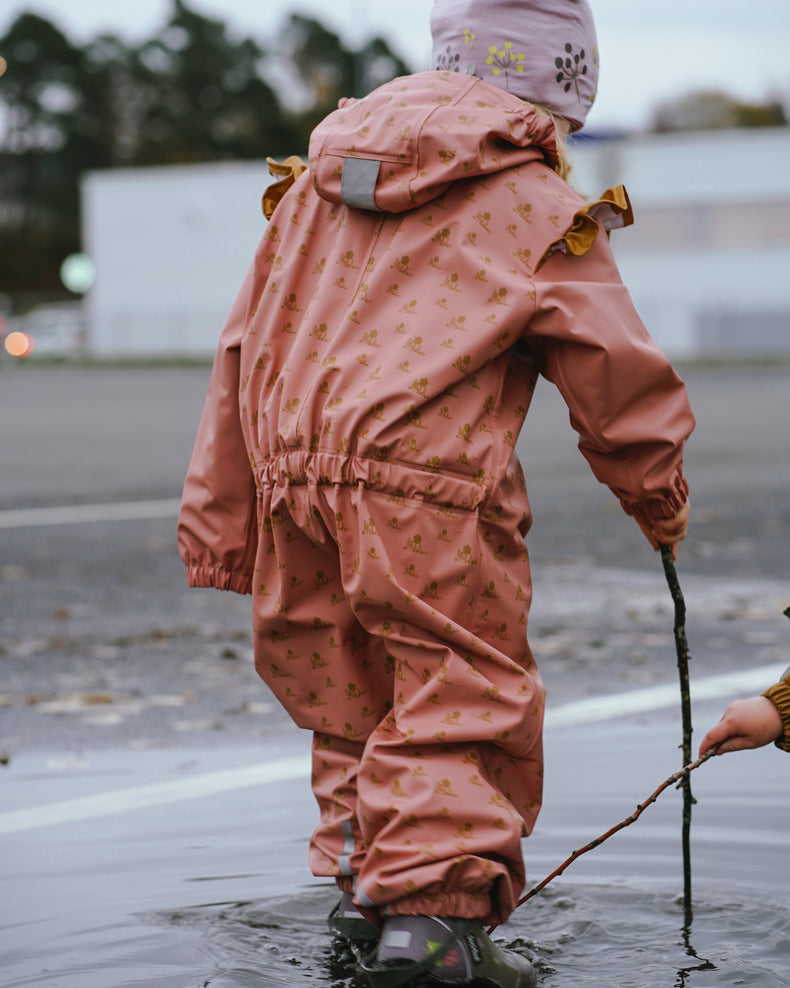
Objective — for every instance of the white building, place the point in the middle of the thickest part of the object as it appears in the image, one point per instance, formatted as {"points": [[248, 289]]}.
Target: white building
{"points": [[707, 262], [708, 259], [171, 247]]}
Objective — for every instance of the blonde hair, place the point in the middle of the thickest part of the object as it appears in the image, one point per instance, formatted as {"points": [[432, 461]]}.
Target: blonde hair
{"points": [[564, 166]]}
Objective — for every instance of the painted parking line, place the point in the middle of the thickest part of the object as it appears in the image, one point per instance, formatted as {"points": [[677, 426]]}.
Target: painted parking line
{"points": [[600, 708], [155, 794], [298, 767], [82, 514]]}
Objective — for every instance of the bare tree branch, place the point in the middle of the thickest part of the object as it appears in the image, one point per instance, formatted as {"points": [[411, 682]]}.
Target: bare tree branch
{"points": [[672, 780]]}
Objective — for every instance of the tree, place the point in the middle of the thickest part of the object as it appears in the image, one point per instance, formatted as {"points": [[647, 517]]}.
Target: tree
{"points": [[42, 92], [329, 70], [376, 64], [203, 96], [710, 109], [190, 93], [111, 114]]}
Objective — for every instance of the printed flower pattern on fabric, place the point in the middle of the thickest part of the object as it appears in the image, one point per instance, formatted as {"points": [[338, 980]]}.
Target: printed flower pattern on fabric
{"points": [[571, 67], [504, 59]]}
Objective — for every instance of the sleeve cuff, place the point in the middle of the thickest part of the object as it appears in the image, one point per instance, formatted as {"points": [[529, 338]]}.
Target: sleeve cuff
{"points": [[219, 579], [661, 507], [779, 695]]}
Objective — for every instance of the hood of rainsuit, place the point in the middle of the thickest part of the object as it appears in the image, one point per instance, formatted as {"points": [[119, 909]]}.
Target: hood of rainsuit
{"points": [[408, 141]]}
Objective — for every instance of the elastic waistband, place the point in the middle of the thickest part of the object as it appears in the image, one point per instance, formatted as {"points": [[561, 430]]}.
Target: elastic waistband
{"points": [[301, 467]]}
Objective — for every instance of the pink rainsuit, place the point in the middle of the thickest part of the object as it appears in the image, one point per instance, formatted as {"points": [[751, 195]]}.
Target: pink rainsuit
{"points": [[355, 472]]}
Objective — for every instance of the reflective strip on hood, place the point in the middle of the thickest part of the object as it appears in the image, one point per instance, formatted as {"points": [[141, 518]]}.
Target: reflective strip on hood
{"points": [[358, 184], [405, 143]]}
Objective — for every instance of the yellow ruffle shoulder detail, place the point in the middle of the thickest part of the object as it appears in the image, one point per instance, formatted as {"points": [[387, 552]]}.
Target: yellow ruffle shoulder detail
{"points": [[290, 170], [613, 210]]}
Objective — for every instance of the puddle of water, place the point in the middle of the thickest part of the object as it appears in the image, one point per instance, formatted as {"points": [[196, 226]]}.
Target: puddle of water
{"points": [[581, 935], [216, 893], [112, 956]]}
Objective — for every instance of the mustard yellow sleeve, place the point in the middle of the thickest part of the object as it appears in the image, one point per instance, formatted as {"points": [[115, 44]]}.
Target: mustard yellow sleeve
{"points": [[779, 695]]}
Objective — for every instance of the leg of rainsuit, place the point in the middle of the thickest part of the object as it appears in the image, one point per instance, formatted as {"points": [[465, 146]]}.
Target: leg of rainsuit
{"points": [[451, 778], [420, 609], [331, 676]]}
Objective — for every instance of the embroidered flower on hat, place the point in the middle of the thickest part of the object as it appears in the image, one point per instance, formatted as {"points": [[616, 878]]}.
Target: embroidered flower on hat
{"points": [[505, 59], [446, 61], [571, 67]]}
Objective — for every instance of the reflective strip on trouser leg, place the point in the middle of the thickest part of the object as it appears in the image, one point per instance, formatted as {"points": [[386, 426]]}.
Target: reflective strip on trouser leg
{"points": [[344, 861]]}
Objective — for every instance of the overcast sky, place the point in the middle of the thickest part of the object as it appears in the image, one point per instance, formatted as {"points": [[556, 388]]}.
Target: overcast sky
{"points": [[649, 51]]}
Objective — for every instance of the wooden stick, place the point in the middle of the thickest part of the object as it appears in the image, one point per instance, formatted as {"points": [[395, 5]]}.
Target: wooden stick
{"points": [[683, 655], [683, 773], [683, 776]]}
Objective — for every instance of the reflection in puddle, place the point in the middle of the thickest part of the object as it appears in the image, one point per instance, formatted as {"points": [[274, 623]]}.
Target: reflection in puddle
{"points": [[580, 935]]}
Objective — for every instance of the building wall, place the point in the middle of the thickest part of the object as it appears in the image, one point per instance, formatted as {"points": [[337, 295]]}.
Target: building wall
{"points": [[708, 259], [171, 247], [707, 263]]}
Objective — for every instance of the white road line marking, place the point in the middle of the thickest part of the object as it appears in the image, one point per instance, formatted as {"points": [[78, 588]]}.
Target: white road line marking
{"points": [[298, 767], [602, 708], [81, 514], [155, 794]]}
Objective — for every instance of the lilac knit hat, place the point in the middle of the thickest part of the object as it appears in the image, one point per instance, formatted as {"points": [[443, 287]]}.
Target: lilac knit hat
{"points": [[540, 50]]}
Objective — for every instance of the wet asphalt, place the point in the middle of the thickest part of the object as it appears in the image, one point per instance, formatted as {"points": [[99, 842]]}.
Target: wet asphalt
{"points": [[102, 643], [121, 688]]}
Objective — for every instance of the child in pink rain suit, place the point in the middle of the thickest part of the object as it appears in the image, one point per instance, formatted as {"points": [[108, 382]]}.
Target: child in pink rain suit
{"points": [[355, 472]]}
